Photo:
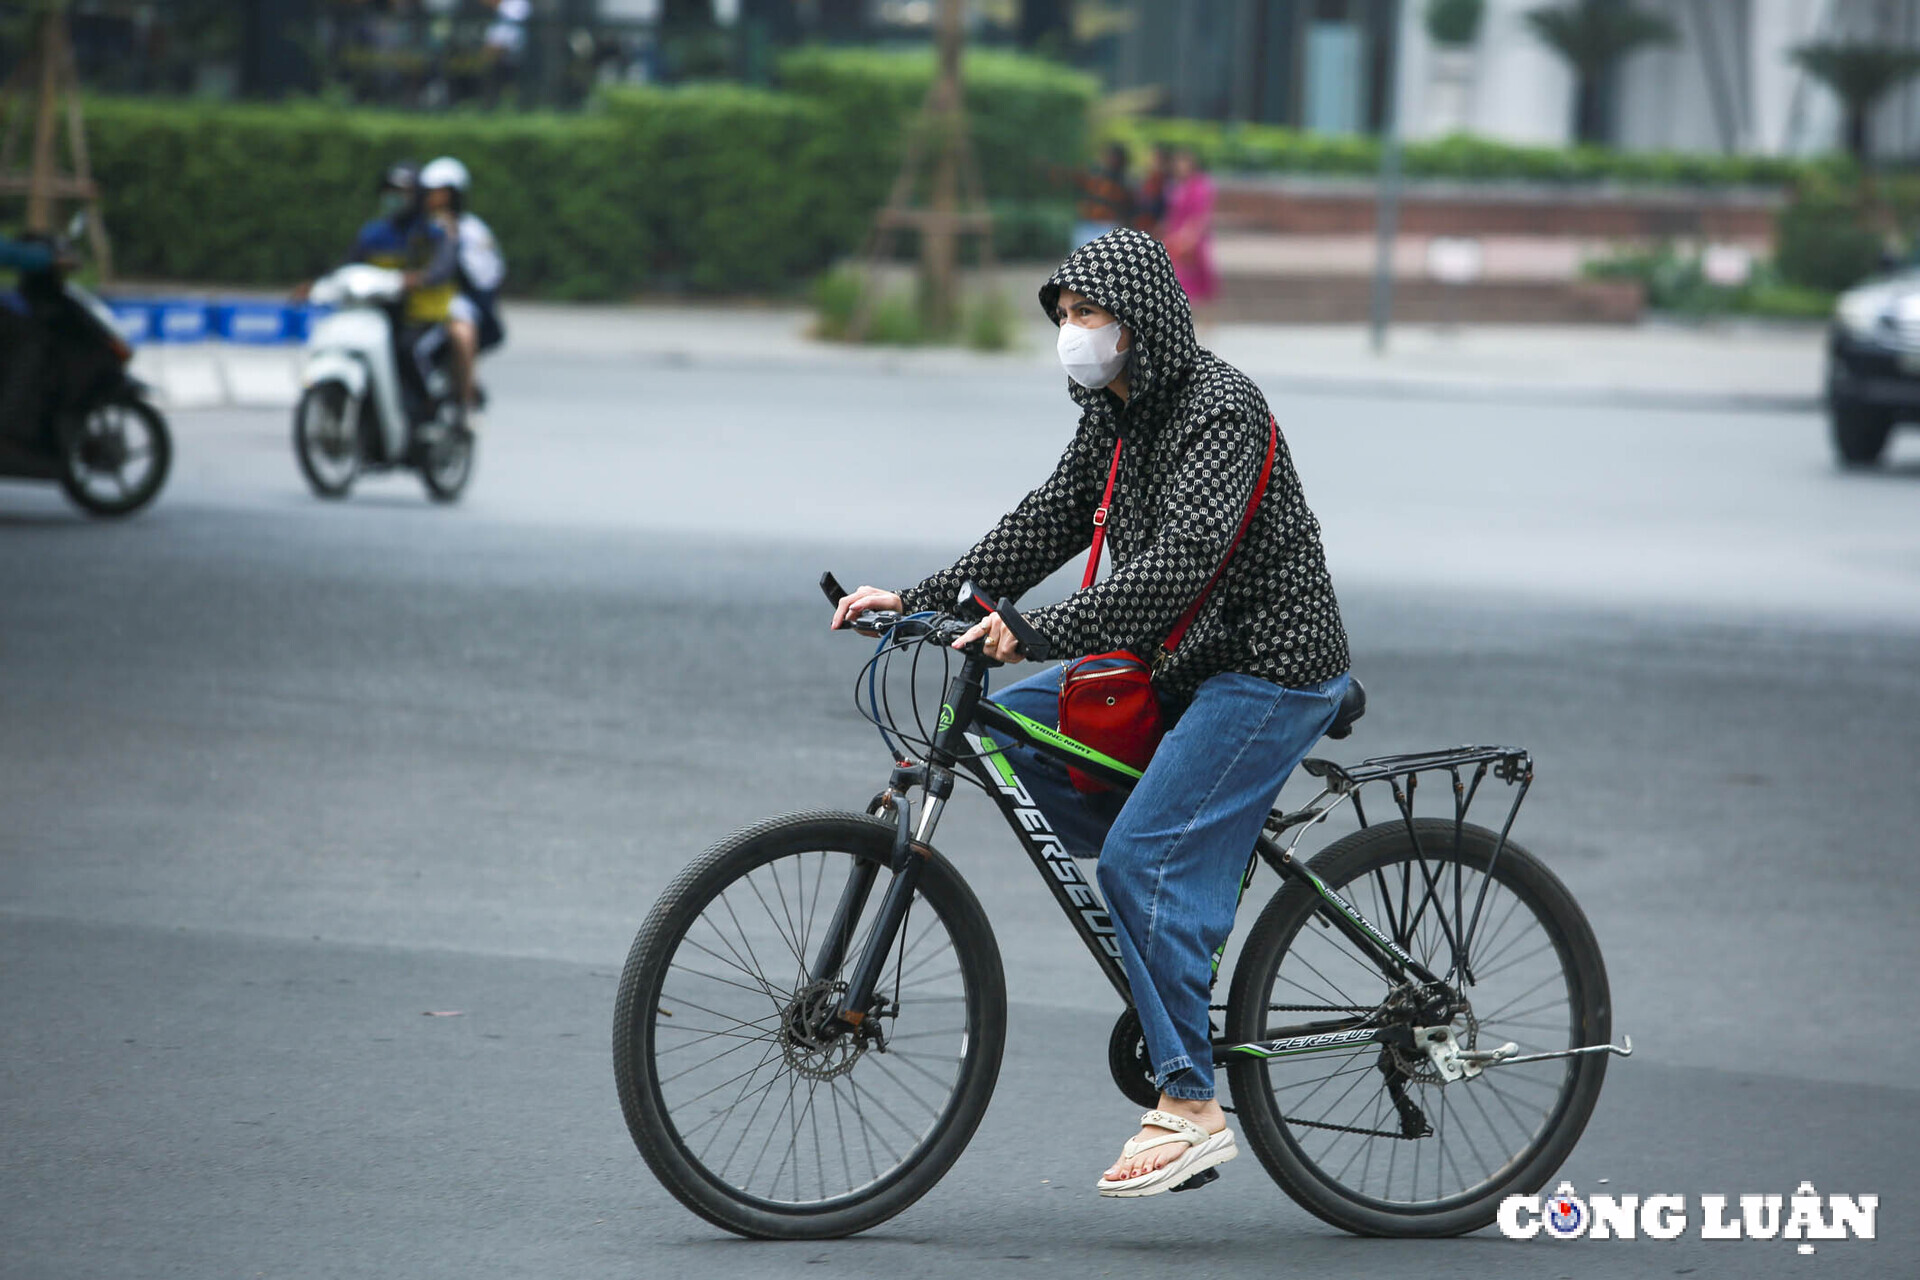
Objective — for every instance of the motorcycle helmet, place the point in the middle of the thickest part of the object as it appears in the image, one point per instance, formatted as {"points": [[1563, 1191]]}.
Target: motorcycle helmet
{"points": [[400, 189], [445, 172], [449, 175]]}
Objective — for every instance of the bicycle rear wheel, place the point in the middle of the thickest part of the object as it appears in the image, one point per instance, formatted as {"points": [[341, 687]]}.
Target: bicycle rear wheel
{"points": [[1335, 1129], [752, 1106]]}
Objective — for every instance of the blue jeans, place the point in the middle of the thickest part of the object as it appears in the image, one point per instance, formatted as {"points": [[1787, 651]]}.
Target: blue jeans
{"points": [[1173, 851]]}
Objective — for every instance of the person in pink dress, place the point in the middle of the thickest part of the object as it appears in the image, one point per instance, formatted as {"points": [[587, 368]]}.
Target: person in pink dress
{"points": [[1187, 229]]}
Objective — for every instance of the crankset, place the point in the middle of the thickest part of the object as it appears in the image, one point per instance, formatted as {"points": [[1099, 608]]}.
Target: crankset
{"points": [[1130, 1063]]}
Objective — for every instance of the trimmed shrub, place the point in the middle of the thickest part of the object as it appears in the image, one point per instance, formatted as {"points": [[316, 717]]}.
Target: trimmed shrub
{"points": [[1675, 281], [1825, 242], [738, 189], [246, 194], [273, 195], [705, 187], [1027, 116], [1254, 148]]}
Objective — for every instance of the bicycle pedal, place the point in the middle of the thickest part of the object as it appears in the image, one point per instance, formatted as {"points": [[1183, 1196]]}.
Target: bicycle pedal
{"points": [[1199, 1180]]}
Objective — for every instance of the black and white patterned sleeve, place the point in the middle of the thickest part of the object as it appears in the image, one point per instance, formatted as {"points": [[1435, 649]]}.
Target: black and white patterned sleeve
{"points": [[1032, 540], [1137, 605]]}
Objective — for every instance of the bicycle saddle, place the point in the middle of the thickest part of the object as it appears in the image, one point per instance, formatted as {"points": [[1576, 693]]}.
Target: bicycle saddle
{"points": [[1353, 705]]}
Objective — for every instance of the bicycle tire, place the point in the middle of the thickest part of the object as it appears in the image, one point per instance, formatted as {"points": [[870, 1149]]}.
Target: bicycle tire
{"points": [[650, 1117], [1356, 1202]]}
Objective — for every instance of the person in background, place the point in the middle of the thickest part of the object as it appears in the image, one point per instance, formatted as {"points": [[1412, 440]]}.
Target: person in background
{"points": [[473, 317], [23, 343], [1187, 230], [1106, 201], [426, 250], [504, 41], [1150, 209]]}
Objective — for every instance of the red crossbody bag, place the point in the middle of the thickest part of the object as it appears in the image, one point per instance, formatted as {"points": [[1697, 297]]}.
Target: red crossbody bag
{"points": [[1107, 699]]}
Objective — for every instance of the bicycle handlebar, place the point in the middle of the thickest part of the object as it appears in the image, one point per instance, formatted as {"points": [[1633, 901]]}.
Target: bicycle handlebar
{"points": [[1032, 644]]}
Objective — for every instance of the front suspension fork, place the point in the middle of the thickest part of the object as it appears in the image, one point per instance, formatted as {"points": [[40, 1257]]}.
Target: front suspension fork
{"points": [[909, 858]]}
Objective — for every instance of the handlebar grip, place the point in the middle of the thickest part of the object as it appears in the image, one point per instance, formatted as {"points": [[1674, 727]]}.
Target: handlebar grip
{"points": [[1032, 643]]}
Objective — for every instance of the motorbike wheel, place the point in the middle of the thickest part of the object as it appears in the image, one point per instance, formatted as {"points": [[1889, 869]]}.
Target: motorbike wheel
{"points": [[325, 443], [448, 464], [115, 456]]}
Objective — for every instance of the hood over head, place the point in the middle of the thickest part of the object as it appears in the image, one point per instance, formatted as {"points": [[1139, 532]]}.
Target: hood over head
{"points": [[1129, 273]]}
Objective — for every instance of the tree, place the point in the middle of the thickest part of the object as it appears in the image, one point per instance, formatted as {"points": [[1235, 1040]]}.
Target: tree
{"points": [[1046, 26], [1454, 23], [1593, 36], [1859, 75]]}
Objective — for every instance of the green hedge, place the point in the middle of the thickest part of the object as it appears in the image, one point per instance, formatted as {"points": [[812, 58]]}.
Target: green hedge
{"points": [[1274, 149], [708, 187], [733, 195], [272, 195], [714, 187], [1027, 117]]}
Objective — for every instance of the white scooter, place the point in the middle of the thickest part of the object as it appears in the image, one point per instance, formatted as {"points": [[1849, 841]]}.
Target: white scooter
{"points": [[356, 412]]}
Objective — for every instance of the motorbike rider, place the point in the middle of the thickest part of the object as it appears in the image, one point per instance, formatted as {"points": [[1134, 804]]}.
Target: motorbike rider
{"points": [[473, 317], [426, 250], [24, 341]]}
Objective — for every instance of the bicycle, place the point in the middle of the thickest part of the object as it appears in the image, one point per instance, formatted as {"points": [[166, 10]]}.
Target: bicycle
{"points": [[803, 1051]]}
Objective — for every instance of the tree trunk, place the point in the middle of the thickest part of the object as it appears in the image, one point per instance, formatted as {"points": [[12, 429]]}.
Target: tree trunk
{"points": [[1590, 111], [1857, 134]]}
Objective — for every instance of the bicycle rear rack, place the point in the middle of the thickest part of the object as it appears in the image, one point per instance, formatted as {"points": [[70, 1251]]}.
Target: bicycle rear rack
{"points": [[1401, 773]]}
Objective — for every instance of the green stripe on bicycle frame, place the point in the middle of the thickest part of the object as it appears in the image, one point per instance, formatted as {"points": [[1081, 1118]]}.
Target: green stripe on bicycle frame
{"points": [[998, 759], [1246, 882], [1060, 741]]}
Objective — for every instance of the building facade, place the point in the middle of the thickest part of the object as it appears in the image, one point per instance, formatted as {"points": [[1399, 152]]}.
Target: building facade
{"points": [[1728, 83]]}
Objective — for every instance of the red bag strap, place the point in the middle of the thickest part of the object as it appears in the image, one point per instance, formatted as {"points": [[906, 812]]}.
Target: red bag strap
{"points": [[1100, 519], [1259, 491], [1253, 505]]}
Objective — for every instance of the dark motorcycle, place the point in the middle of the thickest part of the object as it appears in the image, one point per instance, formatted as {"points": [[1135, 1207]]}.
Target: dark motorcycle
{"points": [[93, 430]]}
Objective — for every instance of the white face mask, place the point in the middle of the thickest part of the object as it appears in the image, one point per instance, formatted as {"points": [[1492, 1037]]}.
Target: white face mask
{"points": [[1092, 357]]}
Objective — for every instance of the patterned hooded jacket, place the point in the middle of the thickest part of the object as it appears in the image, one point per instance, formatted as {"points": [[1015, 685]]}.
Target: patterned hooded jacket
{"points": [[1196, 436]]}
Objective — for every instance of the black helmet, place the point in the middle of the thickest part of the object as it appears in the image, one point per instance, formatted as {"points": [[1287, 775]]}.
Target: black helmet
{"points": [[401, 175]]}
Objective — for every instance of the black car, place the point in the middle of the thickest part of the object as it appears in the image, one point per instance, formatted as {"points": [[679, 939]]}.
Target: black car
{"points": [[1873, 366]]}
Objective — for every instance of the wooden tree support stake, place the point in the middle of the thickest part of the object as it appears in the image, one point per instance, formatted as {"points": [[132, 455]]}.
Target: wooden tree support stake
{"points": [[958, 205], [48, 71]]}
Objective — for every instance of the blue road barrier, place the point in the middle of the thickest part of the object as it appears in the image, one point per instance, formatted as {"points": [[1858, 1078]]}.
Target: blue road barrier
{"points": [[174, 320]]}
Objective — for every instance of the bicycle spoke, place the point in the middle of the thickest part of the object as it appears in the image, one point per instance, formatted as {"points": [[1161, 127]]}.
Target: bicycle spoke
{"points": [[1340, 1108], [766, 1130]]}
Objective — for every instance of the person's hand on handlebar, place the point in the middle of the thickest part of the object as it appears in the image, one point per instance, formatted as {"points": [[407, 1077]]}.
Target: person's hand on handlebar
{"points": [[861, 600], [1000, 644]]}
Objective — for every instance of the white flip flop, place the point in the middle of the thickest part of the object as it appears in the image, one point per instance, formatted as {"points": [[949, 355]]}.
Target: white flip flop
{"points": [[1204, 1150]]}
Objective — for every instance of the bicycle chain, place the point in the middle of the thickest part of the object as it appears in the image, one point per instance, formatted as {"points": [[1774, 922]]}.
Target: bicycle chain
{"points": [[1348, 1128], [1308, 1008]]}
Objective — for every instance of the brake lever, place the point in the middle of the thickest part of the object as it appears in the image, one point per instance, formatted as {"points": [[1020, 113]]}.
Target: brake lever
{"points": [[1031, 643]]}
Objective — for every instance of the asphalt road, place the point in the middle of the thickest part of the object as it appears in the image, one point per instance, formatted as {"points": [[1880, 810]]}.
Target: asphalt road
{"points": [[279, 777]]}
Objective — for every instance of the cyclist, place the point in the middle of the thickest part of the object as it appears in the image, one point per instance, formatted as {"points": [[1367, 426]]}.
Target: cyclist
{"points": [[473, 317], [1256, 681]]}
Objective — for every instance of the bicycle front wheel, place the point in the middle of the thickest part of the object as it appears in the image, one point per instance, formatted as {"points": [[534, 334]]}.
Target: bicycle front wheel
{"points": [[751, 1103], [1372, 1139]]}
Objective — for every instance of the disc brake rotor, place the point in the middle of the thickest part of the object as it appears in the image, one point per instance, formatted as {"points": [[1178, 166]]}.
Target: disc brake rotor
{"points": [[813, 1040]]}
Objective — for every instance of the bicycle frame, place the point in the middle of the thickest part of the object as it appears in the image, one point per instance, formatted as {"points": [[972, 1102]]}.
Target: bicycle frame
{"points": [[972, 728]]}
